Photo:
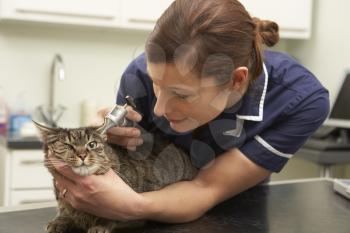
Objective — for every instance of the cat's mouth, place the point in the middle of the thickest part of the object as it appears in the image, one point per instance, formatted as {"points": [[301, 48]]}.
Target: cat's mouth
{"points": [[84, 170]]}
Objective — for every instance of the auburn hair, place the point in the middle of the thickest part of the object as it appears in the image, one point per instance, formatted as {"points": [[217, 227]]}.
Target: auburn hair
{"points": [[211, 38]]}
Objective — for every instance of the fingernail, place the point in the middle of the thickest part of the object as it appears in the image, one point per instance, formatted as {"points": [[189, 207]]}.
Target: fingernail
{"points": [[136, 133], [139, 142], [138, 118]]}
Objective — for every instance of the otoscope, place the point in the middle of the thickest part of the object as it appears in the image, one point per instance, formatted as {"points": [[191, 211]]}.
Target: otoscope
{"points": [[117, 116]]}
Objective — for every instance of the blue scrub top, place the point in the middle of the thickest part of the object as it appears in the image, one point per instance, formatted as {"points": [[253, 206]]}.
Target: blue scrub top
{"points": [[280, 110]]}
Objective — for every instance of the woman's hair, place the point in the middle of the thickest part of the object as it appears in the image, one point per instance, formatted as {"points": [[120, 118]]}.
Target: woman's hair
{"points": [[210, 38]]}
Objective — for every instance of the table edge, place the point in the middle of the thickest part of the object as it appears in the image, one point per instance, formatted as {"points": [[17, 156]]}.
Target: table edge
{"points": [[7, 209], [296, 181]]}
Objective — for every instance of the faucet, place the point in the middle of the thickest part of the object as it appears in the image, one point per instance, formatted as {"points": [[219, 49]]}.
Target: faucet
{"points": [[57, 72]]}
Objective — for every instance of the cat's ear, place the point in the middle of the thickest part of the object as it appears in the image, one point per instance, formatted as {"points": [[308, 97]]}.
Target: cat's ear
{"points": [[45, 131], [104, 137], [101, 129]]}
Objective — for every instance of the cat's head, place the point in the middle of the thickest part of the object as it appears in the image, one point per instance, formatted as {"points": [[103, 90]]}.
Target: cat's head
{"points": [[82, 149]]}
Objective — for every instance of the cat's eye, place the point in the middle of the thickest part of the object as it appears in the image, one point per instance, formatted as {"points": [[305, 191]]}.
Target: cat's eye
{"points": [[92, 145], [68, 146]]}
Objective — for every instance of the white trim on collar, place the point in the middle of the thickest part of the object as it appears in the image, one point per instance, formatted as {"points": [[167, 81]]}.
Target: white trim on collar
{"points": [[261, 104], [236, 132]]}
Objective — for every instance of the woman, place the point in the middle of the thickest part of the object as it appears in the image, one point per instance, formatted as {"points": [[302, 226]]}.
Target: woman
{"points": [[205, 83]]}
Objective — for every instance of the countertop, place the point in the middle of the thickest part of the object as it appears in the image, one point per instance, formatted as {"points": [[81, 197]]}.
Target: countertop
{"points": [[22, 143], [307, 206]]}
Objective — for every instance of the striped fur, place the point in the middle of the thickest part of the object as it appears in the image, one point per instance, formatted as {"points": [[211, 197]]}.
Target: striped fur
{"points": [[154, 165]]}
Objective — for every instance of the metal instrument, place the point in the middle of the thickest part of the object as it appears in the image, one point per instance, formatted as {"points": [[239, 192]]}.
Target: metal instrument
{"points": [[117, 117]]}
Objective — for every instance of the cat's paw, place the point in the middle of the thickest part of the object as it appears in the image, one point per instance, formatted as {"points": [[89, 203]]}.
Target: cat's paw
{"points": [[98, 229], [57, 226]]}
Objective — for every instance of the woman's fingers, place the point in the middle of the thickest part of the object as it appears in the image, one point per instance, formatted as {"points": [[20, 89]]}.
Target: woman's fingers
{"points": [[124, 132], [128, 137], [133, 115], [125, 141]]}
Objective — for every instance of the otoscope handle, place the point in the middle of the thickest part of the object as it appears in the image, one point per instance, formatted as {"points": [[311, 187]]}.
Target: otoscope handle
{"points": [[117, 117]]}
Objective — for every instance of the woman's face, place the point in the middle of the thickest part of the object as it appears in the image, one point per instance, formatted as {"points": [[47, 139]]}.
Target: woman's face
{"points": [[186, 100]]}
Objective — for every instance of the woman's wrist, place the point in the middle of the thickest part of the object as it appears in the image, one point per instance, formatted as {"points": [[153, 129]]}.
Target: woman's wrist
{"points": [[140, 208], [147, 207]]}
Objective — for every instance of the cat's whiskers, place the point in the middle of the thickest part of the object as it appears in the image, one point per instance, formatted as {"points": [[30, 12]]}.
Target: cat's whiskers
{"points": [[53, 164]]}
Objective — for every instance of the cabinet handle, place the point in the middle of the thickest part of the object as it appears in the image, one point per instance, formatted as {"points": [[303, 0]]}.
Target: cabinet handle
{"points": [[32, 162], [348, 191], [35, 201], [66, 14], [136, 20]]}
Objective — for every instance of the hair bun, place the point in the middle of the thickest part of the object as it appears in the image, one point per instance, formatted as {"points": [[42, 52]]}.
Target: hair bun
{"points": [[268, 31]]}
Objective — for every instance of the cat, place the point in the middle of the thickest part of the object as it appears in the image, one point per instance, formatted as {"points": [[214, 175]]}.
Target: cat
{"points": [[154, 165]]}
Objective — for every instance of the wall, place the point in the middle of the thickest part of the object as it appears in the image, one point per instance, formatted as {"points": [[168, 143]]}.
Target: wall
{"points": [[96, 58], [327, 55], [94, 61], [3, 152]]}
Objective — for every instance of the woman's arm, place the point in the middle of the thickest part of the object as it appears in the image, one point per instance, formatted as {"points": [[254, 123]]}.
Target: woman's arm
{"points": [[109, 197], [228, 175]]}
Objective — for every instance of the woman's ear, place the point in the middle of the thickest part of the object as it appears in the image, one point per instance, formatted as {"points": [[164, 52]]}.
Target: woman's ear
{"points": [[240, 79]]}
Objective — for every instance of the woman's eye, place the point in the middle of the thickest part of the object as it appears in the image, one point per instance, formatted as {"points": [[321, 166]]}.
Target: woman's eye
{"points": [[181, 96], [92, 145]]}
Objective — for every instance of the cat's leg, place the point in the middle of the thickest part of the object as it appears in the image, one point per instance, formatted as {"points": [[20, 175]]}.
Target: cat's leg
{"points": [[59, 225]]}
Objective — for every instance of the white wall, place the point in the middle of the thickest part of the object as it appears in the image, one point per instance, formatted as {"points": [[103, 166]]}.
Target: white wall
{"points": [[327, 55], [94, 61], [96, 58]]}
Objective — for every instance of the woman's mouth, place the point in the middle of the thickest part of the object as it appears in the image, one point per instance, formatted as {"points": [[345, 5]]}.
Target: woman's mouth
{"points": [[175, 121]]}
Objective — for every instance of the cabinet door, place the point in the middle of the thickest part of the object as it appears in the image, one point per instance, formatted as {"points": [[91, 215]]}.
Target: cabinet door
{"points": [[31, 197], [28, 171], [293, 17], [143, 14], [62, 11]]}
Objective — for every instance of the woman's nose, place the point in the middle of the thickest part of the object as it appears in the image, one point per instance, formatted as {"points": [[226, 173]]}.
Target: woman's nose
{"points": [[162, 105]]}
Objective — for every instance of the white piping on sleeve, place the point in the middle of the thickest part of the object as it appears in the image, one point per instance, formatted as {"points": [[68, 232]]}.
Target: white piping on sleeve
{"points": [[271, 149]]}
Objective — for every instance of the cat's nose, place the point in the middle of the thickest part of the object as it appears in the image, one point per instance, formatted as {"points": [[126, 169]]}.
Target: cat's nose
{"points": [[82, 156]]}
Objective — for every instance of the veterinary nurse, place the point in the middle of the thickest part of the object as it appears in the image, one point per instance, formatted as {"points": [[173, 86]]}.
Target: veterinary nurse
{"points": [[206, 84]]}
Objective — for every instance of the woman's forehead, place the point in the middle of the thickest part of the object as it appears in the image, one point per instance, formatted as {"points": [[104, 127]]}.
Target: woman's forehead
{"points": [[169, 75]]}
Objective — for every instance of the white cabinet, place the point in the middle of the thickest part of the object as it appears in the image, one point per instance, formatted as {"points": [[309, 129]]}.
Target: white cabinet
{"points": [[80, 12], [293, 17], [26, 180], [140, 14]]}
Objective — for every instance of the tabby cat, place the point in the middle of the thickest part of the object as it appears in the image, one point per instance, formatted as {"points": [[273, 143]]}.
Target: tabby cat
{"points": [[154, 165]]}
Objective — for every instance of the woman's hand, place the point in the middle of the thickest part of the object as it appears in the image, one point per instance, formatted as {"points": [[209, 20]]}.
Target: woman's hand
{"points": [[106, 196], [128, 137]]}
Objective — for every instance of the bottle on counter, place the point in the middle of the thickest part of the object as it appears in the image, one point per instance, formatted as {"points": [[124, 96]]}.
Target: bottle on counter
{"points": [[20, 117], [3, 115]]}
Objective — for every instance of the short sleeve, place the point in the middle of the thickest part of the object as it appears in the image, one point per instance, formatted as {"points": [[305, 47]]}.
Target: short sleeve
{"points": [[273, 147]]}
